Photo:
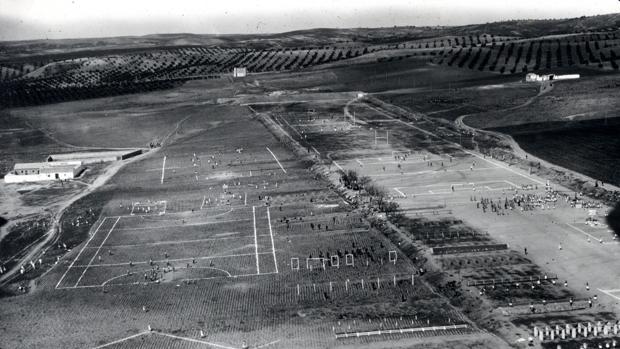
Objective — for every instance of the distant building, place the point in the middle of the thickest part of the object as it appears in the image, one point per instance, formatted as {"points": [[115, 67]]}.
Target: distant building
{"points": [[532, 77], [96, 156], [43, 171], [240, 72]]}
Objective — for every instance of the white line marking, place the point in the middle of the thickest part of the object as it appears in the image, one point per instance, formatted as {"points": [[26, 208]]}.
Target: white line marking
{"points": [[273, 246], [139, 283], [172, 242], [97, 252], [245, 199], [204, 198], [122, 340], [609, 293], [398, 174], [400, 192], [194, 340], [267, 344], [313, 148], [584, 232], [80, 253], [163, 170], [172, 260], [255, 239], [278, 161], [335, 163], [510, 183], [359, 162], [184, 225], [612, 291]]}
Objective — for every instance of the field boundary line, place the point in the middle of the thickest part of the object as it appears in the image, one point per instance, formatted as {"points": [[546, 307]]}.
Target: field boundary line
{"points": [[584, 232], [610, 293], [429, 171], [273, 246], [400, 192], [267, 344], [121, 340], [335, 163], [80, 253], [184, 225], [150, 282], [173, 242], [194, 340], [163, 170], [278, 161], [171, 260], [255, 239], [97, 252]]}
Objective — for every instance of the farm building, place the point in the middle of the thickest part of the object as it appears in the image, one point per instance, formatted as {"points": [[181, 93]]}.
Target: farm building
{"points": [[43, 171], [532, 77], [240, 72], [95, 157]]}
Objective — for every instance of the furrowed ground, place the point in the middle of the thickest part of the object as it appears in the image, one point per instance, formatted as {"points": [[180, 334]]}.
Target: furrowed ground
{"points": [[234, 236]]}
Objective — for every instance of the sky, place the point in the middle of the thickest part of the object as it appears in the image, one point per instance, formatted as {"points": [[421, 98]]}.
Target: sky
{"points": [[56, 19]]}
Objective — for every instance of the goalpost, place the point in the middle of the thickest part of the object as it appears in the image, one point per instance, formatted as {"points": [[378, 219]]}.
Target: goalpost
{"points": [[295, 264], [348, 260], [393, 256], [315, 263]]}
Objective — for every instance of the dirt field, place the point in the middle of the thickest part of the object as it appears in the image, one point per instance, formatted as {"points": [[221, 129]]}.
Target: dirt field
{"points": [[231, 234], [433, 185]]}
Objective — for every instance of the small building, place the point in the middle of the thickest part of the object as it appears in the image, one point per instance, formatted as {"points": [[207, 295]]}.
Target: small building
{"points": [[533, 77], [95, 156], [240, 72], [43, 171]]}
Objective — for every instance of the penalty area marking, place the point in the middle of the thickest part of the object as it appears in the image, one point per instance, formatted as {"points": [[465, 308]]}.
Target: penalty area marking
{"points": [[273, 247], [80, 253], [278, 161], [97, 252]]}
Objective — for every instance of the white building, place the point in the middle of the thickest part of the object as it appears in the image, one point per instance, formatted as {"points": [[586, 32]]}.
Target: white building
{"points": [[43, 171], [240, 72], [532, 77]]}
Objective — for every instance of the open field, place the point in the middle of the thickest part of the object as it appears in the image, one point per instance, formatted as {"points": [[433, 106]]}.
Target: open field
{"points": [[451, 181], [224, 223], [287, 209], [589, 147]]}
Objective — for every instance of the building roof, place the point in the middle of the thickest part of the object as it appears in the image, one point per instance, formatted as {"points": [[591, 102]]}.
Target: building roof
{"points": [[58, 165], [93, 154]]}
